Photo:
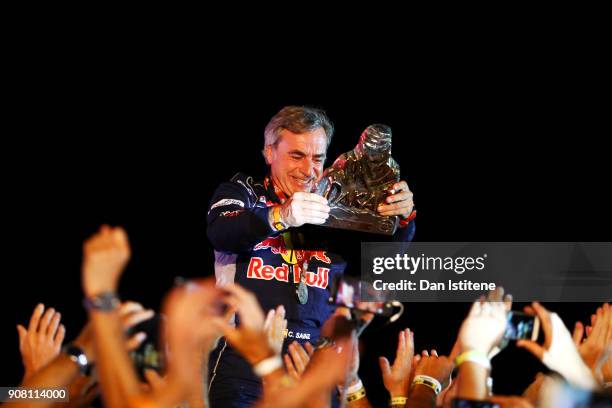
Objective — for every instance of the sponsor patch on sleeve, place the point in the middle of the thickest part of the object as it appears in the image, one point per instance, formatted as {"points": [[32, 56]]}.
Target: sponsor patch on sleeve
{"points": [[225, 202], [234, 213]]}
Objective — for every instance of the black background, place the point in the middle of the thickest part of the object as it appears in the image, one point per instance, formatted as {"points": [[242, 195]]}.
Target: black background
{"points": [[502, 151]]}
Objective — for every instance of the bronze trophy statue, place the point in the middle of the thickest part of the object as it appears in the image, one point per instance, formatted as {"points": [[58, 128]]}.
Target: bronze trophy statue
{"points": [[360, 180]]}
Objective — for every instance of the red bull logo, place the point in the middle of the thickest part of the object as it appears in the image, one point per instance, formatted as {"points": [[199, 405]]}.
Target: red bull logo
{"points": [[318, 255], [277, 246], [274, 244], [258, 270]]}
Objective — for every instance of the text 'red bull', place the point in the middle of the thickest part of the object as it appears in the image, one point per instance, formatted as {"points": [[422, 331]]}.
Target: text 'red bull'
{"points": [[258, 270]]}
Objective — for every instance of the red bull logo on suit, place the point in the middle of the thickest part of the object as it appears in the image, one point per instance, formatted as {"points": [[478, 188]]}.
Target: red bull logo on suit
{"points": [[277, 245]]}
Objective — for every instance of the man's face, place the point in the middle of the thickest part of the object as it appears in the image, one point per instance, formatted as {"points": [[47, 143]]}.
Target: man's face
{"points": [[296, 161]]}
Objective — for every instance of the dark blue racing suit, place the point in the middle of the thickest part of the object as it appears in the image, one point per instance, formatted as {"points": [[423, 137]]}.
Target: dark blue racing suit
{"points": [[269, 263]]}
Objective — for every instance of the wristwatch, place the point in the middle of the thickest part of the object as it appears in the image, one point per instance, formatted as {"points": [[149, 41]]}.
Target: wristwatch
{"points": [[277, 221], [104, 302], [77, 355], [322, 343]]}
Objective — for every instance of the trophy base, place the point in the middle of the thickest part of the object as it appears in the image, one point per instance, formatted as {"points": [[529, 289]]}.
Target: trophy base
{"points": [[362, 221]]}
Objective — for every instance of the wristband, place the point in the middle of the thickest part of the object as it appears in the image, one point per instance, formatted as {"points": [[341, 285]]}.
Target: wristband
{"points": [[354, 388], [398, 401], [277, 221], [359, 394], [268, 365], [405, 221], [475, 357], [104, 302], [429, 382]]}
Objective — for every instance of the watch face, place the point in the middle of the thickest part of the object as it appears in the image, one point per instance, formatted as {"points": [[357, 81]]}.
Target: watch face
{"points": [[82, 359], [78, 356], [106, 302]]}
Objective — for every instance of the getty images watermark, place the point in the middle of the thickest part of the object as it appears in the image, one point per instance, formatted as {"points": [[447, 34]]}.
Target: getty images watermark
{"points": [[461, 271]]}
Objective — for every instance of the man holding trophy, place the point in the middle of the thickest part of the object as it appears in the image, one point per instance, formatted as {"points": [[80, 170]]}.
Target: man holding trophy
{"points": [[272, 236]]}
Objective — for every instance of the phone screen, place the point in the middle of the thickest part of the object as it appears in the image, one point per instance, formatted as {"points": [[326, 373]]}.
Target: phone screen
{"points": [[521, 326], [347, 292], [149, 355]]}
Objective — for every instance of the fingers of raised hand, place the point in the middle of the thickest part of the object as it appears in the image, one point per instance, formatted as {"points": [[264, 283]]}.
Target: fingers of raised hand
{"points": [[132, 319], [35, 319], [134, 341]]}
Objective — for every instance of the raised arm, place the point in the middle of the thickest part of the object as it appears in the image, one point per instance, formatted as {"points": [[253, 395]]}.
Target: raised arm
{"points": [[105, 256]]}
